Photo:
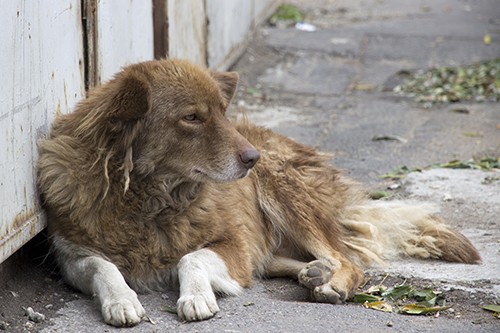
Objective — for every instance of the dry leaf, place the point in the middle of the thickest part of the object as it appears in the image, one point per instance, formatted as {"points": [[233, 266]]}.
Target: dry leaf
{"points": [[487, 39], [379, 306], [416, 309]]}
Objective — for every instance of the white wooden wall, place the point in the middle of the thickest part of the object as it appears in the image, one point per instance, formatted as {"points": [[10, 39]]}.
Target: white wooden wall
{"points": [[213, 32], [124, 34], [187, 30], [43, 75]]}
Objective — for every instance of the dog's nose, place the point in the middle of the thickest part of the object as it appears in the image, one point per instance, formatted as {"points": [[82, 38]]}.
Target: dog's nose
{"points": [[249, 157]]}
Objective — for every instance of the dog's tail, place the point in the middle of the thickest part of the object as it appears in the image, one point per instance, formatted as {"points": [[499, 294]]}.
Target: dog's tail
{"points": [[378, 230]]}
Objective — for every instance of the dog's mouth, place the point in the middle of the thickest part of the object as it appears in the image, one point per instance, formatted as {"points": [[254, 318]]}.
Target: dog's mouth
{"points": [[223, 177]]}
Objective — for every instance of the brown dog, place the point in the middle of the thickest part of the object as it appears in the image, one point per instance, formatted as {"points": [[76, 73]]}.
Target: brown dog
{"points": [[144, 186]]}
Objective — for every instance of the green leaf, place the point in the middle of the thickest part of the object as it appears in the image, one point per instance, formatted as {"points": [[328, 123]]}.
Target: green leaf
{"points": [[399, 292], [365, 297], [478, 82], [427, 297], [400, 172], [472, 134], [377, 195], [492, 308], [287, 12], [416, 309]]}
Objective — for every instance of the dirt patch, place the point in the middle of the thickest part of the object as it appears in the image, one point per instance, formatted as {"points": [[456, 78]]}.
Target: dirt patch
{"points": [[36, 284]]}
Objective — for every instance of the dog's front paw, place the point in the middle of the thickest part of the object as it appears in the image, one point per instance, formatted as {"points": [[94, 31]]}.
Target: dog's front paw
{"points": [[315, 274], [123, 310], [197, 307], [327, 294]]}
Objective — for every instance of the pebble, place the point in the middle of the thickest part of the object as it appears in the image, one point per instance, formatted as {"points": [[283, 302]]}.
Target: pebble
{"points": [[394, 186], [33, 315], [3, 325]]}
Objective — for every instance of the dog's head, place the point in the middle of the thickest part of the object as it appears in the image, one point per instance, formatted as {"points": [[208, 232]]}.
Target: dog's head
{"points": [[169, 115]]}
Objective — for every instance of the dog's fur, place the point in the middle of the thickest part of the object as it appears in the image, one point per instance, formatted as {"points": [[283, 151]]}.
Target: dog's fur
{"points": [[148, 185]]}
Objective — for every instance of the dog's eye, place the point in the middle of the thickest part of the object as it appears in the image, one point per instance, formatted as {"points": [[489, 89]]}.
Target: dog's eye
{"points": [[191, 118]]}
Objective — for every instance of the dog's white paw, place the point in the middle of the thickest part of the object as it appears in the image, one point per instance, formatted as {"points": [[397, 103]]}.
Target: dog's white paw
{"points": [[197, 307], [327, 294], [123, 310]]}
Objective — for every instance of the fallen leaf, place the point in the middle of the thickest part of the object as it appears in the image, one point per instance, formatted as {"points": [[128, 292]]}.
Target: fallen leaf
{"points": [[379, 306], [478, 82], [400, 172], [364, 87], [286, 13], [365, 297], [248, 304], [472, 134], [378, 289], [377, 195], [416, 309], [398, 292], [428, 297], [389, 138], [487, 39], [493, 308], [460, 110]]}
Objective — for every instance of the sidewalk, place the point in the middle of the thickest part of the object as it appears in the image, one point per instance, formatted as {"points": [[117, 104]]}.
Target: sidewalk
{"points": [[331, 89]]}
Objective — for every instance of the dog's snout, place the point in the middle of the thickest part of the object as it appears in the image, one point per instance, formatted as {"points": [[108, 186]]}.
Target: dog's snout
{"points": [[249, 157]]}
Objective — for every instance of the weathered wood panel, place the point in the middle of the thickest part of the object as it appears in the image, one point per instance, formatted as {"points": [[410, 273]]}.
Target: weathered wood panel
{"points": [[262, 9], [187, 30], [229, 24], [124, 34], [213, 32], [41, 76]]}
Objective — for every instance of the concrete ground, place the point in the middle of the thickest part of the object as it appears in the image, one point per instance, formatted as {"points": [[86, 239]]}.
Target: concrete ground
{"points": [[331, 89]]}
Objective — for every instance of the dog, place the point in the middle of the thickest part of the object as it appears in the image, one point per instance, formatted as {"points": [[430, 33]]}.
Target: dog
{"points": [[147, 185]]}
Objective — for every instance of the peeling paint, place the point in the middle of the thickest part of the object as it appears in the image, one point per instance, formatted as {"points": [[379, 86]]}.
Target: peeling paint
{"points": [[24, 227]]}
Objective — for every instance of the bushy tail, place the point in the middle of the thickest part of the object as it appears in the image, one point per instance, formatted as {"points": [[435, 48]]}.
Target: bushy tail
{"points": [[378, 230]]}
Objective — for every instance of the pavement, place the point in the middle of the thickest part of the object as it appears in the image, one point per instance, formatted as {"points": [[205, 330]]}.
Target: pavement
{"points": [[332, 89]]}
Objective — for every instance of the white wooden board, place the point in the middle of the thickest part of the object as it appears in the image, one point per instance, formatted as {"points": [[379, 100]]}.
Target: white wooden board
{"points": [[187, 30], [229, 25], [41, 71], [125, 34]]}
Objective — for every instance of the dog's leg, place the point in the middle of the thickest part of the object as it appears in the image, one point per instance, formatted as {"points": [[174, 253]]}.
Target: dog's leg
{"points": [[96, 276], [284, 267], [99, 277], [201, 273]]}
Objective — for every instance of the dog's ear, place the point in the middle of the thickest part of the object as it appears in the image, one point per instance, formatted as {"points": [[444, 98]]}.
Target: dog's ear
{"points": [[228, 81], [130, 97]]}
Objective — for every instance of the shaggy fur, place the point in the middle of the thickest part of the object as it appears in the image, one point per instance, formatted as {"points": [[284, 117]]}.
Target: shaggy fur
{"points": [[147, 185]]}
